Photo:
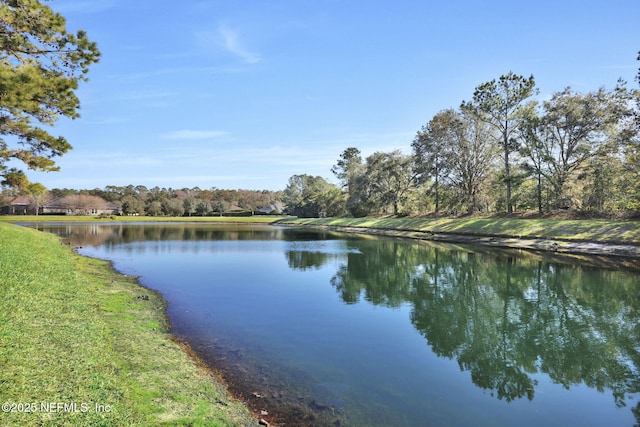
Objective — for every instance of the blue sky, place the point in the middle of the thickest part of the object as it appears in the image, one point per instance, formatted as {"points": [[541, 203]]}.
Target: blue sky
{"points": [[244, 94]]}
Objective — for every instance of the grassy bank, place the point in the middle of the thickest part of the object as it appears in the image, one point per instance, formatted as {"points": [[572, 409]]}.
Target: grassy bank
{"points": [[603, 231], [81, 345], [256, 219]]}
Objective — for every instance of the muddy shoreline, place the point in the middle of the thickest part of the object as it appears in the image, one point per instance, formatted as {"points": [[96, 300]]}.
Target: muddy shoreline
{"points": [[279, 395]]}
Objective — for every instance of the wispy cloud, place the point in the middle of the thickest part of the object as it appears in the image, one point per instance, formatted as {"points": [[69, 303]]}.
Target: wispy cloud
{"points": [[272, 160], [194, 179], [159, 72], [153, 99], [82, 7], [231, 41], [145, 96], [110, 120], [194, 134], [109, 160]]}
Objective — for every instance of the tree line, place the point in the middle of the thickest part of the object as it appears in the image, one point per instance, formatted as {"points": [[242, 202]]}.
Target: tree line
{"points": [[501, 151], [156, 201]]}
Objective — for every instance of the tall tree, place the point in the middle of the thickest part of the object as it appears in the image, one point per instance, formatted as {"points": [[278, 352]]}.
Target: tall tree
{"points": [[575, 128], [189, 204], [41, 64], [391, 178], [472, 162], [432, 151], [632, 154], [173, 207], [154, 208], [637, 111], [132, 205], [220, 206], [348, 168], [455, 148], [203, 207], [37, 196], [532, 150], [606, 185], [498, 103], [309, 196]]}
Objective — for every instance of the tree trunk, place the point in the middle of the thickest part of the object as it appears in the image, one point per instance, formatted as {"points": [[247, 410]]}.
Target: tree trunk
{"points": [[437, 200], [507, 178], [539, 193]]}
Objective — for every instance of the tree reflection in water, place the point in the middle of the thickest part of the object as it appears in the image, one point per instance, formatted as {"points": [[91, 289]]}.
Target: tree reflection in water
{"points": [[504, 318]]}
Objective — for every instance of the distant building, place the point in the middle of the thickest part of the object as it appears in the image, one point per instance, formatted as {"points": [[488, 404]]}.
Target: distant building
{"points": [[274, 208], [79, 205], [20, 205], [235, 208], [75, 204]]}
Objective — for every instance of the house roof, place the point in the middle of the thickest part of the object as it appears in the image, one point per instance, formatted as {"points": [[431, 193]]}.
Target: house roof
{"points": [[54, 203], [20, 201], [270, 208], [58, 203]]}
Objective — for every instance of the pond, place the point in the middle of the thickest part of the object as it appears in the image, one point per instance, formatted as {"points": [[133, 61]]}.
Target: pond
{"points": [[320, 328]]}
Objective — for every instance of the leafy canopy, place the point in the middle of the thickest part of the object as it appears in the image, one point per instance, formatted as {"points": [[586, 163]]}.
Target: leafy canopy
{"points": [[41, 64], [500, 105]]}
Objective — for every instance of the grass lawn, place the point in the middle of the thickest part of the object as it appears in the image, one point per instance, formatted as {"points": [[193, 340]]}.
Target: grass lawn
{"points": [[81, 345], [606, 231]]}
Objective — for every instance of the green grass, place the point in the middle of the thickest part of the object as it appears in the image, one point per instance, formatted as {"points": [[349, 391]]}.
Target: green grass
{"points": [[258, 219], [606, 231], [74, 331]]}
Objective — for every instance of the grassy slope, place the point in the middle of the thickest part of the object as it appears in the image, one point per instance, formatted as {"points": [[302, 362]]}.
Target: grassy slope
{"points": [[73, 330], [573, 230]]}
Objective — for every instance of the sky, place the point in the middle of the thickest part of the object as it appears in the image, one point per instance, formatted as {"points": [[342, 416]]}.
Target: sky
{"points": [[245, 94]]}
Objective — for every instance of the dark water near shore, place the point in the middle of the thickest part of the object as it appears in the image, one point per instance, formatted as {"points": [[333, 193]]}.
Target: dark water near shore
{"points": [[321, 328]]}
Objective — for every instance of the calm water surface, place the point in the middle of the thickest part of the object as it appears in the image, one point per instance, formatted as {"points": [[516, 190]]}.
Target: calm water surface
{"points": [[322, 328]]}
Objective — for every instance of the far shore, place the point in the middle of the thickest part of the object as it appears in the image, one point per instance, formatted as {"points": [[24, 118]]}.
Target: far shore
{"points": [[580, 237], [255, 219], [592, 237]]}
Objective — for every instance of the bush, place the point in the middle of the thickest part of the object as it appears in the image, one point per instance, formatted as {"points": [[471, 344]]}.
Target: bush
{"points": [[105, 215]]}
